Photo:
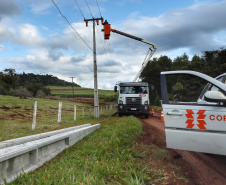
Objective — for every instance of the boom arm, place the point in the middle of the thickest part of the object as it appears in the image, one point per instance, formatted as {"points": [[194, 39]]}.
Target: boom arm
{"points": [[107, 29]]}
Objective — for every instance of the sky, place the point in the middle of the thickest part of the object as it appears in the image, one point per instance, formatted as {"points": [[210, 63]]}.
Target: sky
{"points": [[35, 38]]}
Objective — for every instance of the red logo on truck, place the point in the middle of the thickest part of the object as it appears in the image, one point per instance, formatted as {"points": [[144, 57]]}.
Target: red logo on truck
{"points": [[200, 119]]}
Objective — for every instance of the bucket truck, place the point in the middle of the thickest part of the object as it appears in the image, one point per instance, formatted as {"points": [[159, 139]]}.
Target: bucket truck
{"points": [[133, 96]]}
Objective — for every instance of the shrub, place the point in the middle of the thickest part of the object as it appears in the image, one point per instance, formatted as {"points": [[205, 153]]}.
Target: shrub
{"points": [[40, 94], [3, 91], [22, 92]]}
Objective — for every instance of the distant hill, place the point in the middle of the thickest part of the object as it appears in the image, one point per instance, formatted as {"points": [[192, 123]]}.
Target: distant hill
{"points": [[46, 80]]}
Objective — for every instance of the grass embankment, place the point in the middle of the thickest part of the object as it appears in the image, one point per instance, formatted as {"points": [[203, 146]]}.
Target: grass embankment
{"points": [[106, 156]]}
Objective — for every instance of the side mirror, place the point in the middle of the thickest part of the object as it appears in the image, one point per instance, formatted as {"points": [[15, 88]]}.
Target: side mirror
{"points": [[115, 89], [214, 96]]}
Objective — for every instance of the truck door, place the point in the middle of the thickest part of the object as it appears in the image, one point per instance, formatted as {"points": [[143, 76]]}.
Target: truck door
{"points": [[193, 126]]}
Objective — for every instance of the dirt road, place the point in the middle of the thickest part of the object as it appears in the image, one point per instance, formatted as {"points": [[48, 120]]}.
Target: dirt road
{"points": [[210, 169]]}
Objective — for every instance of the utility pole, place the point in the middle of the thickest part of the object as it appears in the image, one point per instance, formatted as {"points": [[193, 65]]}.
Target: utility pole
{"points": [[96, 99], [72, 87]]}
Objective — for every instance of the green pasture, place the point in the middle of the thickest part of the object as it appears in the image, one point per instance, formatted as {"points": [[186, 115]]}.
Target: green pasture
{"points": [[79, 92], [16, 116]]}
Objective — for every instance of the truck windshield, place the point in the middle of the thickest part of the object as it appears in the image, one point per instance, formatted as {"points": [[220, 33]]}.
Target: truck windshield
{"points": [[133, 90]]}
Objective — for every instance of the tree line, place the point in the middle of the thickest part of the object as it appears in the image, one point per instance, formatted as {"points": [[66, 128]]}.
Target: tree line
{"points": [[28, 85], [183, 88]]}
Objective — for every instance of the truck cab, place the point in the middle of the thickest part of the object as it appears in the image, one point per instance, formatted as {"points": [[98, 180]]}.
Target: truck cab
{"points": [[133, 98], [199, 126]]}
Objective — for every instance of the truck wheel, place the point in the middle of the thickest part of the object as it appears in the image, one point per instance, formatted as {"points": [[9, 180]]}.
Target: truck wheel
{"points": [[120, 114], [146, 115]]}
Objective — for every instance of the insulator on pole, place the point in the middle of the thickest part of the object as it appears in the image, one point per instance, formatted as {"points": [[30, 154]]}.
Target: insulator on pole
{"points": [[97, 22], [86, 23]]}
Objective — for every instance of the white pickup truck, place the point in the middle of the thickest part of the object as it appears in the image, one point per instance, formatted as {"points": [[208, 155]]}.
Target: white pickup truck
{"points": [[199, 127]]}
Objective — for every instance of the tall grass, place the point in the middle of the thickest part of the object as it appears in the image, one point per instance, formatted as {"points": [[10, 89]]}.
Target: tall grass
{"points": [[107, 156]]}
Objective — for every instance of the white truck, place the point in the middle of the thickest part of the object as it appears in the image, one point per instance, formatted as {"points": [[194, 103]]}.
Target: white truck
{"points": [[133, 98], [199, 126]]}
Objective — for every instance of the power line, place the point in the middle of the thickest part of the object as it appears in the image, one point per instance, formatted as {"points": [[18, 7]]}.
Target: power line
{"points": [[103, 43], [80, 9], [71, 25], [89, 9], [91, 33], [98, 8]]}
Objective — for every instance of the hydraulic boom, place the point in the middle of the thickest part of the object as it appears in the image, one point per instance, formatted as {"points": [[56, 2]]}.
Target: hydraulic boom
{"points": [[107, 30]]}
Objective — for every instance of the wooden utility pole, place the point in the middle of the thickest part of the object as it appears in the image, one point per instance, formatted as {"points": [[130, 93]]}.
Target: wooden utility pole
{"points": [[96, 99]]}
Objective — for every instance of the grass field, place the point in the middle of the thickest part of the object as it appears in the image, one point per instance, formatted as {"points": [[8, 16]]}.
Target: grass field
{"points": [[16, 116], [107, 156], [79, 92]]}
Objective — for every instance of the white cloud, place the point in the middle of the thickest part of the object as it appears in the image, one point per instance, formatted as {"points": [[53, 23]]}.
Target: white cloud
{"points": [[191, 30], [27, 35], [38, 8], [2, 47]]}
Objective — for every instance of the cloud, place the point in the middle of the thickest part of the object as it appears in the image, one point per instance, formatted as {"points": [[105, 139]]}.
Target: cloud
{"points": [[191, 30], [2, 47], [5, 33], [38, 8], [27, 35], [9, 8], [54, 55], [191, 27]]}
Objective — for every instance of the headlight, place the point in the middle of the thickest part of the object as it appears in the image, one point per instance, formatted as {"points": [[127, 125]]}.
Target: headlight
{"points": [[120, 102], [146, 102]]}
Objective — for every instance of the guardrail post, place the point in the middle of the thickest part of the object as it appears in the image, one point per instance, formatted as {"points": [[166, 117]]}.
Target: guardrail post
{"points": [[59, 112], [34, 115]]}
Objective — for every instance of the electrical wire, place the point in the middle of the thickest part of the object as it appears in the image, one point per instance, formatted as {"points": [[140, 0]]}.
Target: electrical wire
{"points": [[80, 9], [71, 26], [98, 8], [89, 8], [98, 30]]}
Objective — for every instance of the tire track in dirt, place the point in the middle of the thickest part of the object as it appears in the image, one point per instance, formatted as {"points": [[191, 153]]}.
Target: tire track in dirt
{"points": [[210, 168]]}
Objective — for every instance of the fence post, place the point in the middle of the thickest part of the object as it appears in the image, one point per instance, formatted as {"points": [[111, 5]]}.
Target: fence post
{"points": [[59, 112], [34, 115], [83, 112], [74, 112]]}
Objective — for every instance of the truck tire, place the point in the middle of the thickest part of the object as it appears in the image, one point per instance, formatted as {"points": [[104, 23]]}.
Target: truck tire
{"points": [[146, 115]]}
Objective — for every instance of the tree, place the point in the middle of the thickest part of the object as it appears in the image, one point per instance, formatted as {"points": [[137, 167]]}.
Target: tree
{"points": [[9, 80], [151, 74]]}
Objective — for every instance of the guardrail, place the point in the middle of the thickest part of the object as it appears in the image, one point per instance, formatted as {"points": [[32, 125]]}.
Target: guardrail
{"points": [[28, 153]]}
